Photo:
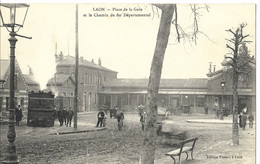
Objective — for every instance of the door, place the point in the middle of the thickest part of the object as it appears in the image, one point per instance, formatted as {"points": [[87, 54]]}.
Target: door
{"points": [[89, 101], [174, 103], [108, 101], [85, 101]]}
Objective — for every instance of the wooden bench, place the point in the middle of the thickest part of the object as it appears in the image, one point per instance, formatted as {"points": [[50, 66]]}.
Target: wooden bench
{"points": [[185, 147]]}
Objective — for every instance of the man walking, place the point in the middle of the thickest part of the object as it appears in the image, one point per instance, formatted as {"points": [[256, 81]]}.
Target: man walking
{"points": [[69, 117], [120, 117], [18, 114], [100, 117], [142, 120]]}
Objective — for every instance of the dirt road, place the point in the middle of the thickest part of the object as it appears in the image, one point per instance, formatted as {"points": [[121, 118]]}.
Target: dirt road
{"points": [[36, 145]]}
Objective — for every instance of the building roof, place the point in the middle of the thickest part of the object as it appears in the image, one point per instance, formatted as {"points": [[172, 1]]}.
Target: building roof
{"points": [[4, 66], [165, 83], [4, 72], [30, 80], [70, 61], [59, 79]]}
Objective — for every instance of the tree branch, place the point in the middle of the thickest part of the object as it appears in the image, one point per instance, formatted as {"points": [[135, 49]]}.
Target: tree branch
{"points": [[230, 48], [176, 24], [231, 31]]}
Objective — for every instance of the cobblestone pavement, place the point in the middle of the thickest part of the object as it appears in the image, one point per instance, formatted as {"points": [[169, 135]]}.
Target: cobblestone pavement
{"points": [[38, 145]]}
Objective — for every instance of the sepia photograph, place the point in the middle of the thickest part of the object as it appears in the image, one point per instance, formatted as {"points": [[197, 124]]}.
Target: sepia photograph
{"points": [[127, 83]]}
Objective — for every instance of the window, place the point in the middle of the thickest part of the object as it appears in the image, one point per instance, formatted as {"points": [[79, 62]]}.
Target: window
{"points": [[85, 79], [100, 80], [200, 101], [90, 79]]}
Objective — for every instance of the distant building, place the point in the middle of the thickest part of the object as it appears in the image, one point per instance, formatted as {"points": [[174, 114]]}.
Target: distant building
{"points": [[91, 78], [99, 86], [22, 85], [246, 92], [129, 93], [63, 87]]}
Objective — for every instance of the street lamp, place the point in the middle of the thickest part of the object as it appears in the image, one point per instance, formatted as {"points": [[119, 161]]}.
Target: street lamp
{"points": [[2, 83], [221, 112], [12, 17]]}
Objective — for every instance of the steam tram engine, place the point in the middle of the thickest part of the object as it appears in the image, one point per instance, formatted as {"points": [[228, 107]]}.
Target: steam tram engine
{"points": [[41, 111]]}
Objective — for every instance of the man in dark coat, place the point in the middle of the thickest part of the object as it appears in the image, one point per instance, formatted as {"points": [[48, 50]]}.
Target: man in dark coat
{"points": [[120, 117], [70, 114], [60, 116], [18, 114], [142, 120], [100, 116], [65, 116], [240, 119], [244, 119]]}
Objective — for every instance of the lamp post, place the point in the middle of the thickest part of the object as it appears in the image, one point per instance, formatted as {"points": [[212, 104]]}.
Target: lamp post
{"points": [[12, 17], [2, 83], [221, 111]]}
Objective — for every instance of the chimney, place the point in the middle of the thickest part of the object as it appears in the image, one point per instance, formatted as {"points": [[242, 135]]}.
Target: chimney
{"points": [[30, 70], [210, 65], [60, 56], [214, 68], [99, 61], [81, 58]]}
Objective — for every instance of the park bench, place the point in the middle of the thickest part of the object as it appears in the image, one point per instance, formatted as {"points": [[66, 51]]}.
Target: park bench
{"points": [[185, 147]]}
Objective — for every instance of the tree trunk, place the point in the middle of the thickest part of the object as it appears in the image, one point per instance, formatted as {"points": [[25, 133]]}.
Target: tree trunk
{"points": [[154, 82], [235, 133]]}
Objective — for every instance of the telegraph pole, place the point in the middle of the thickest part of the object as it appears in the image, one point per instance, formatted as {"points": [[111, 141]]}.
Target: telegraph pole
{"points": [[76, 71]]}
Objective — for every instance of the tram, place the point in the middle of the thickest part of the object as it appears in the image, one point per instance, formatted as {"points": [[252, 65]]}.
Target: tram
{"points": [[41, 112]]}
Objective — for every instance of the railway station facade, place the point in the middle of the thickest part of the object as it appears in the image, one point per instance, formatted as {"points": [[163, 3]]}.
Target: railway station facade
{"points": [[99, 87]]}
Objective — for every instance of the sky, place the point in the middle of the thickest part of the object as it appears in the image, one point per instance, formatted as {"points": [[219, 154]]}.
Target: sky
{"points": [[124, 44]]}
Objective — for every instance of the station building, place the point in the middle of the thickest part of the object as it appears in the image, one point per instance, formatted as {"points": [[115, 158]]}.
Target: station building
{"points": [[23, 84], [91, 78], [99, 86]]}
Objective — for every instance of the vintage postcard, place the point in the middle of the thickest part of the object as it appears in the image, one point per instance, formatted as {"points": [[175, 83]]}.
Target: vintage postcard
{"points": [[128, 83]]}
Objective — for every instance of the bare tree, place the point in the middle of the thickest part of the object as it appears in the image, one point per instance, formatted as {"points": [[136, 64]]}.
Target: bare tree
{"points": [[154, 82], [167, 13], [241, 62]]}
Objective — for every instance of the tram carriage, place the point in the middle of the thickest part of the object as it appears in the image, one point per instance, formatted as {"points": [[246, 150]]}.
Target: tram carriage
{"points": [[41, 111]]}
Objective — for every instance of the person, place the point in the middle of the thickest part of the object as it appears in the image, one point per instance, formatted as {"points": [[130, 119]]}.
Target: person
{"points": [[206, 109], [142, 120], [167, 114], [215, 108], [251, 120], [244, 119], [120, 118], [105, 120], [60, 115], [65, 116], [18, 114], [240, 119], [140, 109], [244, 110], [100, 117], [70, 114]]}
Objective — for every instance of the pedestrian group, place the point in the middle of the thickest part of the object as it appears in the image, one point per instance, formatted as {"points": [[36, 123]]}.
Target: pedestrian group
{"points": [[65, 116]]}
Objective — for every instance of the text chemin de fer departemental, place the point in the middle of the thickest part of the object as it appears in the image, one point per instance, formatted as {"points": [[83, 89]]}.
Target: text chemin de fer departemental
{"points": [[117, 12]]}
